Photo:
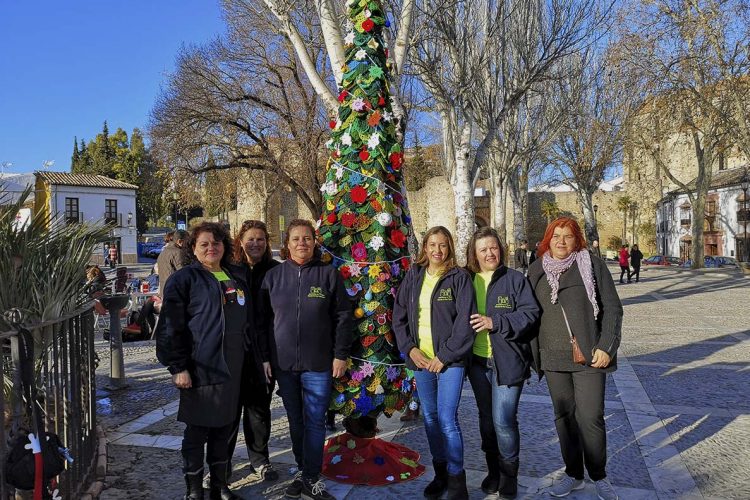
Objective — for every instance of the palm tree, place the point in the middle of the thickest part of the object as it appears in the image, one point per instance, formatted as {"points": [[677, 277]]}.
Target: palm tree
{"points": [[623, 205]]}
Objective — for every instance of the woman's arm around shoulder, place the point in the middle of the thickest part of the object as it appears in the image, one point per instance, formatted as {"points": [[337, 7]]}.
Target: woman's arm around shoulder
{"points": [[460, 341], [518, 324]]}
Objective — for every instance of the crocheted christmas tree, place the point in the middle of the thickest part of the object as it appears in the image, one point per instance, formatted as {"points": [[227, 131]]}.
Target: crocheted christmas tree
{"points": [[365, 220]]}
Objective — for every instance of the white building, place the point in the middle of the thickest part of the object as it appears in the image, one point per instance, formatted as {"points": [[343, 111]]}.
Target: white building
{"points": [[75, 198], [725, 225]]}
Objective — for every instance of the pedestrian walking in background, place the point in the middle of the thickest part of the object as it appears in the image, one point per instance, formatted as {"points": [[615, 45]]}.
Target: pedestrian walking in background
{"points": [[310, 324], [624, 260], [112, 256], [501, 355], [534, 254], [431, 322], [576, 290], [252, 253], [173, 256], [201, 339], [595, 248], [521, 259], [635, 261]]}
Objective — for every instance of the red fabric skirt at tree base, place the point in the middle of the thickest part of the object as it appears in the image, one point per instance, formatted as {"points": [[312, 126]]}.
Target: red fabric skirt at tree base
{"points": [[372, 462]]}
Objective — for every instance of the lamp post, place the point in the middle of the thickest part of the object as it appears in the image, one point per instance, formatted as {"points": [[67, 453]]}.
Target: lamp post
{"points": [[175, 197], [745, 185], [596, 222], [130, 219]]}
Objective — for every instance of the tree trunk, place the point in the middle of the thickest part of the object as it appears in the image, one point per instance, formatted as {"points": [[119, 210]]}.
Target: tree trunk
{"points": [[463, 194], [589, 217], [696, 230]]}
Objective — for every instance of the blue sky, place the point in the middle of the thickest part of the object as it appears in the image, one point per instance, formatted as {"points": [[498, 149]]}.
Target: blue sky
{"points": [[65, 67]]}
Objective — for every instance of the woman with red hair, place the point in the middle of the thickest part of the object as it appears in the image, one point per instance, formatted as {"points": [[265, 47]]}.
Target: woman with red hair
{"points": [[581, 314]]}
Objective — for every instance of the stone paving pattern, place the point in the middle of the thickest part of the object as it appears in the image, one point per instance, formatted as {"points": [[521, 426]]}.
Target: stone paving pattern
{"points": [[677, 410]]}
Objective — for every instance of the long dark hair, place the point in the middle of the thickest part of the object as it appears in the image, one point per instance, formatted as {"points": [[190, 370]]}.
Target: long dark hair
{"points": [[472, 263], [238, 253], [219, 233]]}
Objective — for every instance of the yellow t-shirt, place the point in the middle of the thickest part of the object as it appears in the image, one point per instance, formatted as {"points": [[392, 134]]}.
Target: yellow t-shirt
{"points": [[424, 323], [482, 346]]}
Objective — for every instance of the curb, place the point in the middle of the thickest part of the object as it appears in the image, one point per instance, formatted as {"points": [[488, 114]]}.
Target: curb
{"points": [[100, 470]]}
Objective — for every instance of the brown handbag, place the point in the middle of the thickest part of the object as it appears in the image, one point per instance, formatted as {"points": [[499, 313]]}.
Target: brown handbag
{"points": [[578, 357]]}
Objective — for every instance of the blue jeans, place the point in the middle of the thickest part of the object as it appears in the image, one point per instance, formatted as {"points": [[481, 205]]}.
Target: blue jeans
{"points": [[306, 396], [498, 410], [440, 394]]}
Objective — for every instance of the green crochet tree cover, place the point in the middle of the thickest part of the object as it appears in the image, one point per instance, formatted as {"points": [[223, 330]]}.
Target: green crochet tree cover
{"points": [[365, 220]]}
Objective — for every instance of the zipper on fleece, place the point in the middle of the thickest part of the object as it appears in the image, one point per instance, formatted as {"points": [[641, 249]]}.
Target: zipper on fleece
{"points": [[299, 305]]}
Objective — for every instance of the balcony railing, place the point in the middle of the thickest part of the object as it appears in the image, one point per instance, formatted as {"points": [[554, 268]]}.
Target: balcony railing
{"points": [[114, 219], [685, 222], [63, 367], [743, 215]]}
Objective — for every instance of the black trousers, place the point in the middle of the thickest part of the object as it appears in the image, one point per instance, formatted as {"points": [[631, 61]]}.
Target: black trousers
{"points": [[216, 441], [578, 401], [636, 272], [623, 271], [255, 413]]}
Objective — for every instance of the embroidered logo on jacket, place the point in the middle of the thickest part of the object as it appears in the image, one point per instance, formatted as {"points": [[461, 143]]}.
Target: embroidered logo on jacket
{"points": [[445, 294], [316, 292], [503, 302]]}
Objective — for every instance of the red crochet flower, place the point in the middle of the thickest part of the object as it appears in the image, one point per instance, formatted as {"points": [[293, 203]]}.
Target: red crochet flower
{"points": [[381, 101], [359, 252], [332, 123], [405, 263], [368, 25], [396, 160], [348, 219], [398, 238], [342, 96], [331, 218], [358, 194], [346, 273], [364, 155]]}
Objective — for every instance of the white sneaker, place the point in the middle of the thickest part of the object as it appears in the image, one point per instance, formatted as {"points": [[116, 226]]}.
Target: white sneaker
{"points": [[605, 490], [566, 485]]}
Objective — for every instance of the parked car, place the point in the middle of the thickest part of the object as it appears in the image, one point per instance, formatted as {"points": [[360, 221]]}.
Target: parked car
{"points": [[714, 261], [661, 260]]}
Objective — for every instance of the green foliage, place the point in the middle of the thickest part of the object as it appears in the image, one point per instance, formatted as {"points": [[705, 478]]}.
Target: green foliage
{"points": [[550, 210], [43, 264], [130, 161], [614, 243]]}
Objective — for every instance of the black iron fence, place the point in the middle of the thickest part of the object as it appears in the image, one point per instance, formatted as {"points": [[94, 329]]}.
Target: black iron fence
{"points": [[64, 374]]}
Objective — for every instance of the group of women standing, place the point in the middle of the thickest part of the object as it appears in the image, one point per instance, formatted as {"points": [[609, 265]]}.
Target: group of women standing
{"points": [[493, 324], [236, 322]]}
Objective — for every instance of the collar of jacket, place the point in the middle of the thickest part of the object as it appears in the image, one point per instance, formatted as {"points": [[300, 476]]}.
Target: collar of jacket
{"points": [[422, 271], [310, 263], [501, 271]]}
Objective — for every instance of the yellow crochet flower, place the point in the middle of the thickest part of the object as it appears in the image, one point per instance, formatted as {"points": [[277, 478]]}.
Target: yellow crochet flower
{"points": [[374, 271]]}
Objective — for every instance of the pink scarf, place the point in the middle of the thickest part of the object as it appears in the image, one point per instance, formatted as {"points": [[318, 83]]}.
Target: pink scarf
{"points": [[554, 268]]}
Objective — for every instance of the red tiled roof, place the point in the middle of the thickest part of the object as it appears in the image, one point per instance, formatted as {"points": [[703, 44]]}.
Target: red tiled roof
{"points": [[85, 180]]}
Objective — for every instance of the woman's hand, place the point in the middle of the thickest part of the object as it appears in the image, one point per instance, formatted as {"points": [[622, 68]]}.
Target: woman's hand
{"points": [[435, 365], [479, 322], [267, 371], [182, 380], [339, 367], [600, 360], [419, 358]]}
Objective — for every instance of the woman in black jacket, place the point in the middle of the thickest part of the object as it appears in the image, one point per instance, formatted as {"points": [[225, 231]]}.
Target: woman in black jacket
{"points": [[252, 253], [311, 328], [501, 356], [201, 338], [431, 322], [580, 306]]}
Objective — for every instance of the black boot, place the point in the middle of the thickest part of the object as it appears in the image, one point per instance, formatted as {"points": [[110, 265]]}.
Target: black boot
{"points": [[509, 479], [437, 487], [219, 487], [491, 483], [457, 487], [194, 483]]}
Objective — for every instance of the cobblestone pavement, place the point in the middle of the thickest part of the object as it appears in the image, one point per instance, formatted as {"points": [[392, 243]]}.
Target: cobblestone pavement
{"points": [[677, 409]]}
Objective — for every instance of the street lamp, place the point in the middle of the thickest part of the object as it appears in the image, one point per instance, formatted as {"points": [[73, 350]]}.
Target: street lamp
{"points": [[596, 209], [130, 219], [745, 185], [175, 197]]}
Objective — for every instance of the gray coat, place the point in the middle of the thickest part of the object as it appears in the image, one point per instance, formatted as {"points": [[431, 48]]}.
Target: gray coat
{"points": [[602, 333]]}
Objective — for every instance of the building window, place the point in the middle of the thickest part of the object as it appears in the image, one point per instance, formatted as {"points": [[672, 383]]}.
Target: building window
{"points": [[710, 208], [72, 215], [722, 162], [685, 215], [110, 211]]}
